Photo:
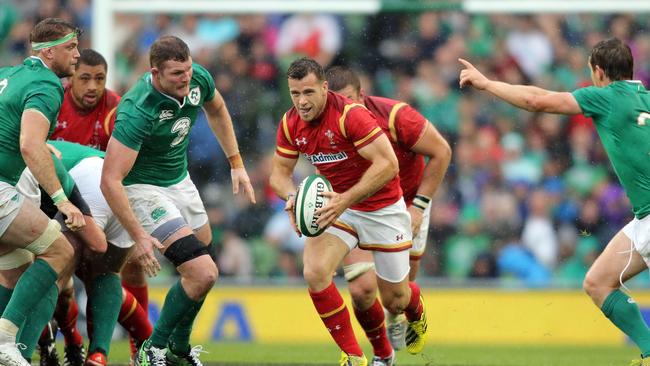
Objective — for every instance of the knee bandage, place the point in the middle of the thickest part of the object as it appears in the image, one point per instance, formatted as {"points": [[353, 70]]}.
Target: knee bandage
{"points": [[50, 234], [185, 249], [15, 259], [357, 269]]}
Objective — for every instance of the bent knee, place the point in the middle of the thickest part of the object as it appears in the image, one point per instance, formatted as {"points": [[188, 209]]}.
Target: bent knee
{"points": [[598, 289], [204, 275], [317, 276], [363, 296]]}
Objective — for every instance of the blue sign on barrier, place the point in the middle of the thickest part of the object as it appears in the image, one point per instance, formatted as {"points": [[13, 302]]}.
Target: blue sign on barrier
{"points": [[232, 312]]}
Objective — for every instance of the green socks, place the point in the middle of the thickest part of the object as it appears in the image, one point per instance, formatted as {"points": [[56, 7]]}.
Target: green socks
{"points": [[5, 296], [179, 341], [177, 305], [32, 286], [38, 318], [624, 313], [105, 302]]}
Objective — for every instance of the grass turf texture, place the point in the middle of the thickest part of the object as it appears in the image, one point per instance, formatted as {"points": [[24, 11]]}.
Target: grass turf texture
{"points": [[232, 354]]}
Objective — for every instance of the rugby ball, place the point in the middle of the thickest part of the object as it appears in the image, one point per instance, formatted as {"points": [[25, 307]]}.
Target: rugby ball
{"points": [[309, 198]]}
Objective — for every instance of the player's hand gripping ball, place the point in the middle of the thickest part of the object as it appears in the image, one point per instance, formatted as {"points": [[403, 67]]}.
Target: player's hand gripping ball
{"points": [[309, 198]]}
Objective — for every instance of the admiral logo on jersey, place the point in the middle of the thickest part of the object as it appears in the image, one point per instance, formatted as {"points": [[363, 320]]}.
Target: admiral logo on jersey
{"points": [[321, 158]]}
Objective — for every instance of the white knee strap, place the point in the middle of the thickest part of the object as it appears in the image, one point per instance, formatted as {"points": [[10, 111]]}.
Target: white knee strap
{"points": [[355, 270], [15, 259], [50, 234]]}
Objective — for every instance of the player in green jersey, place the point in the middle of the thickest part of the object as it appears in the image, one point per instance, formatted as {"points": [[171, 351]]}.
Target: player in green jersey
{"points": [[146, 184], [30, 98], [620, 108]]}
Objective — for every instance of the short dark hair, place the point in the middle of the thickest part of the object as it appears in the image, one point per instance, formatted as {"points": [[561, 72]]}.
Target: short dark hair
{"points": [[614, 57], [168, 48], [91, 57], [303, 67], [51, 29], [338, 77]]}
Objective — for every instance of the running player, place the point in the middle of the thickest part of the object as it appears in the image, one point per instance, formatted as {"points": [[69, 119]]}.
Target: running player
{"points": [[413, 138], [620, 108], [146, 184], [30, 98], [343, 141]]}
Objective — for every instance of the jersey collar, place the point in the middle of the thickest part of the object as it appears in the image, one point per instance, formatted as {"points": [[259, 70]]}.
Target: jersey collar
{"points": [[180, 105], [34, 60]]}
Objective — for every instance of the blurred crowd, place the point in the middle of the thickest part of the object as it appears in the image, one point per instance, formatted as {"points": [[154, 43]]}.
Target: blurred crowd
{"points": [[529, 198]]}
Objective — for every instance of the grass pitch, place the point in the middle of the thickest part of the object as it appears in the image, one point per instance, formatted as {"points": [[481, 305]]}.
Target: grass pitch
{"points": [[244, 354]]}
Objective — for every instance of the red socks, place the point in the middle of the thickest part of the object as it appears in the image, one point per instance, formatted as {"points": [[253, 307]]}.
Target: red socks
{"points": [[66, 317], [413, 310], [332, 310], [140, 293], [372, 322], [134, 318]]}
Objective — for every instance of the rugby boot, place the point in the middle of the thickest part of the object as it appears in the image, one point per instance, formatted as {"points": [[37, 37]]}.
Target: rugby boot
{"points": [[352, 360], [149, 355], [388, 361], [47, 345], [396, 330], [416, 333], [74, 355], [96, 359], [190, 359]]}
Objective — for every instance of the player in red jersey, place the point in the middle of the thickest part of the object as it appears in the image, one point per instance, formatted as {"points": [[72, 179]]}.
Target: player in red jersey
{"points": [[413, 138], [343, 141], [87, 117], [87, 114]]}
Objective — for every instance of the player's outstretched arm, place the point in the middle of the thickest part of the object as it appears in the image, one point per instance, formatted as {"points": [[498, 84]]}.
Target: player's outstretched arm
{"points": [[33, 133], [117, 164], [221, 125], [528, 97], [282, 184]]}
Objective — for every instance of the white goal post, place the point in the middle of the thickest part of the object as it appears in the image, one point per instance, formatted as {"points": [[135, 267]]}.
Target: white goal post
{"points": [[103, 12]]}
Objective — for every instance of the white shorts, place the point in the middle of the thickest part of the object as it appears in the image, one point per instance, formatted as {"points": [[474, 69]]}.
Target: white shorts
{"points": [[387, 232], [28, 186], [639, 233], [164, 210], [10, 203], [87, 175], [420, 238]]}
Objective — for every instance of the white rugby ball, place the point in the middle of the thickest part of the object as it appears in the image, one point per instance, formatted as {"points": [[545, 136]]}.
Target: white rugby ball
{"points": [[309, 198]]}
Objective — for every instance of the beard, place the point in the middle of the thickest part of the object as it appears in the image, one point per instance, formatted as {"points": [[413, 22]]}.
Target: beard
{"points": [[62, 71]]}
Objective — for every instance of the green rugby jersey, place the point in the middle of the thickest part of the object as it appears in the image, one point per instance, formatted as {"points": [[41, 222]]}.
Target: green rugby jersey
{"points": [[157, 125], [72, 153], [30, 85], [621, 113]]}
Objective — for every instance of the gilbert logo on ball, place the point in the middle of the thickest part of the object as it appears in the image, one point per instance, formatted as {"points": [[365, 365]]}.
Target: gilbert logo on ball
{"points": [[309, 198]]}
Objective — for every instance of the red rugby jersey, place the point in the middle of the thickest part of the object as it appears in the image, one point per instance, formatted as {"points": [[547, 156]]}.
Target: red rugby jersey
{"points": [[404, 127], [330, 144], [91, 128]]}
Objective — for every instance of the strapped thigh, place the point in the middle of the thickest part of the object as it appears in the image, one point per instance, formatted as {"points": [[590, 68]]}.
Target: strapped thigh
{"points": [[50, 234]]}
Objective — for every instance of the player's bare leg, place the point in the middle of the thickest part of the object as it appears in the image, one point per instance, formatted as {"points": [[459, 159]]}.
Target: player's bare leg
{"points": [[180, 351], [415, 267], [619, 261], [359, 271], [321, 256], [33, 229], [198, 274], [404, 296]]}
